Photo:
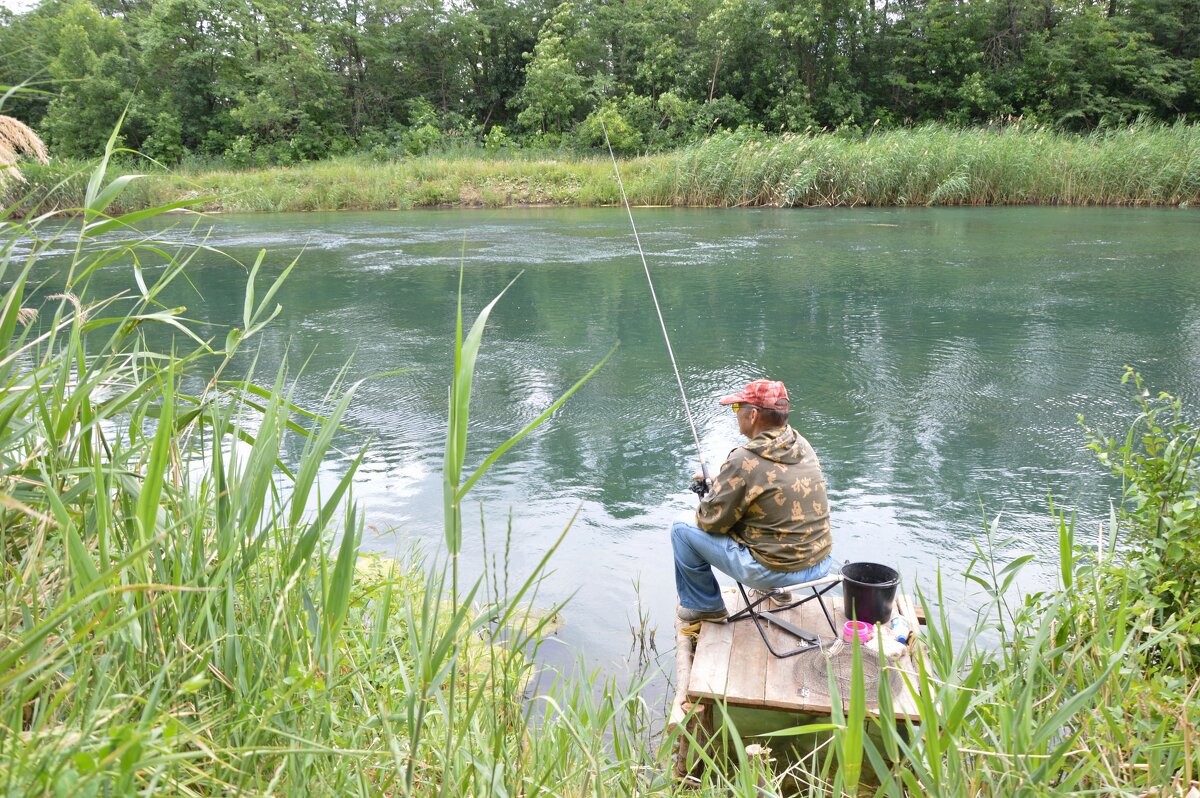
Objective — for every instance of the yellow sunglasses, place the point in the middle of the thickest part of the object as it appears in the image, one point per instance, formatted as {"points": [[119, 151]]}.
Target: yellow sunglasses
{"points": [[737, 406]]}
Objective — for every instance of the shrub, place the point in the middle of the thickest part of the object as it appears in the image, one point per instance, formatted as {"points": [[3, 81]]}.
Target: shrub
{"points": [[720, 113], [381, 153], [421, 140], [308, 143], [165, 142], [1156, 462], [495, 139], [621, 134], [240, 153], [642, 115]]}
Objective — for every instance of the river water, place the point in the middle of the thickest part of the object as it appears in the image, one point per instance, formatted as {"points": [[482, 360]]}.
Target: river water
{"points": [[937, 361]]}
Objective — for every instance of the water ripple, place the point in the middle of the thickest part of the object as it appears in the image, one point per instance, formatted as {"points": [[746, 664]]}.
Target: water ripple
{"points": [[937, 366]]}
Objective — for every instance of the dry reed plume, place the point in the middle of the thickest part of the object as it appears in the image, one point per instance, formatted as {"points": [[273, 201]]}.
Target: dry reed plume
{"points": [[16, 137]]}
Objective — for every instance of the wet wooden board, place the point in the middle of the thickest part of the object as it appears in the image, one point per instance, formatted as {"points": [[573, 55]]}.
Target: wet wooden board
{"points": [[732, 664], [710, 667]]}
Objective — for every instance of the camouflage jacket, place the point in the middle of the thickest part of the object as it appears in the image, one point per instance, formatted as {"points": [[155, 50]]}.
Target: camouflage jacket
{"points": [[770, 496]]}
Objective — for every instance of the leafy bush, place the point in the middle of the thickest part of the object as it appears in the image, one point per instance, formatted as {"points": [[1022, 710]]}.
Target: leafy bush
{"points": [[1156, 462], [642, 115], [422, 112], [495, 139], [165, 142], [380, 153], [623, 137], [721, 113], [421, 140], [240, 153], [308, 143]]}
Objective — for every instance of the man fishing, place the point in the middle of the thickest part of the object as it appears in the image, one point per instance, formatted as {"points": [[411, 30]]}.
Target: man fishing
{"points": [[764, 520]]}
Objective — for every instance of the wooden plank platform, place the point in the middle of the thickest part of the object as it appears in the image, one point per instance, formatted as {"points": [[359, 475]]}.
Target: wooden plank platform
{"points": [[731, 664]]}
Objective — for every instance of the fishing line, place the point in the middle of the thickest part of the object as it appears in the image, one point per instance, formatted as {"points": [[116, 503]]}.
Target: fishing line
{"points": [[687, 408]]}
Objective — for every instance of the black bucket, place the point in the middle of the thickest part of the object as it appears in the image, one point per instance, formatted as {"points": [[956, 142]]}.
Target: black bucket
{"points": [[868, 590]]}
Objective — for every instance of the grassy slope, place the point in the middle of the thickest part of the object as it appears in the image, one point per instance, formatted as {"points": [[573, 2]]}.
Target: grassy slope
{"points": [[1142, 165]]}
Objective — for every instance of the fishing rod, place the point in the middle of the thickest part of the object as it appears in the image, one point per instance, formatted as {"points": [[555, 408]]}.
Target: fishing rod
{"points": [[702, 487]]}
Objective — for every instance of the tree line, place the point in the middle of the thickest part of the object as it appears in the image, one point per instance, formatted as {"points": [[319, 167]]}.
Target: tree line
{"points": [[269, 81]]}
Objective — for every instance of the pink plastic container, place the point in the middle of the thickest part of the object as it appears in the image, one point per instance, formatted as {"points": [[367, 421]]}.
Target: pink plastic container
{"points": [[864, 630]]}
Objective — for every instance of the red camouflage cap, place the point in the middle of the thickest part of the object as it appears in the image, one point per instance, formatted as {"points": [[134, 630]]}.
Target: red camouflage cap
{"points": [[770, 394]]}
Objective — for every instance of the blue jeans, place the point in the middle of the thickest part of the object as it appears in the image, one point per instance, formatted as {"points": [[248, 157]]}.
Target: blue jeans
{"points": [[697, 551]]}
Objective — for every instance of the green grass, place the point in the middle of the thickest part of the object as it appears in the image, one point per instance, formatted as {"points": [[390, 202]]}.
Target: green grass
{"points": [[934, 165], [185, 613], [1146, 164], [352, 184], [180, 619]]}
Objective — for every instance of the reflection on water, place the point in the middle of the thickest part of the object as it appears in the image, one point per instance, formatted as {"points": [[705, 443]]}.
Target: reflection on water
{"points": [[937, 359]]}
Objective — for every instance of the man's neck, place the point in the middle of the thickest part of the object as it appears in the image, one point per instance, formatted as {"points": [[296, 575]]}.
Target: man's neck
{"points": [[755, 431]]}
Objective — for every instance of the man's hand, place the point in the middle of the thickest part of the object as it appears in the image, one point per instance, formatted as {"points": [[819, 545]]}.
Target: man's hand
{"points": [[700, 486]]}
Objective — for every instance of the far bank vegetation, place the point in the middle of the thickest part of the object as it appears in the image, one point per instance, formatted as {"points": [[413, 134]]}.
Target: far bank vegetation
{"points": [[1010, 164]]}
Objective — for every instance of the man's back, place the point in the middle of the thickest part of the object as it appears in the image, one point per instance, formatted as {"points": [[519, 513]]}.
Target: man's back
{"points": [[770, 497]]}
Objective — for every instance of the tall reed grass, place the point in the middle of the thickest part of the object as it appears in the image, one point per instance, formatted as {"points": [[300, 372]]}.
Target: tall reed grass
{"points": [[185, 612], [1145, 164], [1012, 165]]}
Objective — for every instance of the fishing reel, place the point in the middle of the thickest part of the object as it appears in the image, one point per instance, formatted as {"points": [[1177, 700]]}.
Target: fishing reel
{"points": [[700, 486]]}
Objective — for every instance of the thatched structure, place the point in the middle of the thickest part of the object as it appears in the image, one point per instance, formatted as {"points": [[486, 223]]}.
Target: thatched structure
{"points": [[17, 138]]}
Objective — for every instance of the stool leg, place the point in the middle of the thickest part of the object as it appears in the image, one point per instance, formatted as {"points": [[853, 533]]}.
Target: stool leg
{"points": [[759, 617], [824, 609]]}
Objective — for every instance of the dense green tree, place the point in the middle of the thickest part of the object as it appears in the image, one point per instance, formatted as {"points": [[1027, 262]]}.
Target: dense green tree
{"points": [[264, 81], [21, 63], [192, 69], [554, 91], [88, 56], [497, 35], [1089, 70], [395, 51], [1174, 27], [561, 79]]}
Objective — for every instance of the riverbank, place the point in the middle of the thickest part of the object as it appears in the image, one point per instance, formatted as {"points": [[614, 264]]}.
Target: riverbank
{"points": [[1145, 165]]}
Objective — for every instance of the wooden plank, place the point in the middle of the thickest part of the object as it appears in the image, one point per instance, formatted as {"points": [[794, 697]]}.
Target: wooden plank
{"points": [[793, 683], [710, 668], [710, 665], [904, 702], [683, 673], [746, 686], [732, 664]]}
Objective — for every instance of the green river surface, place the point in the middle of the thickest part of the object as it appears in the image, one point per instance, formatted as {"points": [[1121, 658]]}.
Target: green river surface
{"points": [[937, 360]]}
